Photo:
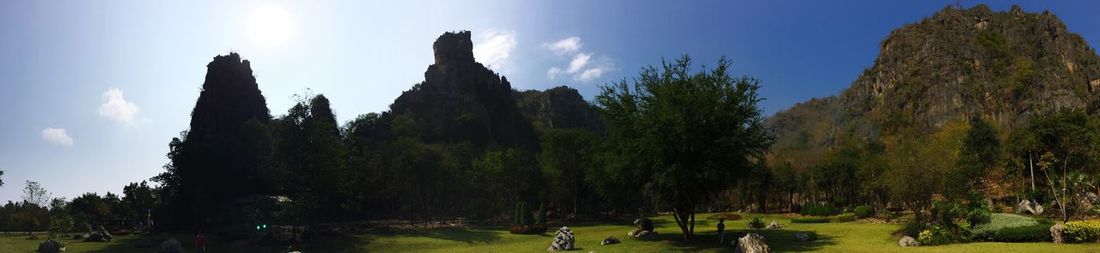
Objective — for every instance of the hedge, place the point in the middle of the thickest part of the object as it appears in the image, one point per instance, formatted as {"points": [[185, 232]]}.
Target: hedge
{"points": [[1082, 231]]}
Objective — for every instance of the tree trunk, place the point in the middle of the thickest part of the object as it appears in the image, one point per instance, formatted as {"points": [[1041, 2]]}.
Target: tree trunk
{"points": [[682, 215], [1031, 166]]}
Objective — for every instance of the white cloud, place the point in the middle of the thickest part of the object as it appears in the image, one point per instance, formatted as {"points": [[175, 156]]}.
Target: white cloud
{"points": [[582, 65], [495, 48], [590, 74], [578, 62], [57, 136], [116, 108], [553, 72], [564, 46]]}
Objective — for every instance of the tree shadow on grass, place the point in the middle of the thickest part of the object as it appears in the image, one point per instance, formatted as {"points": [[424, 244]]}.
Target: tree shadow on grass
{"points": [[779, 240], [330, 243], [450, 234]]}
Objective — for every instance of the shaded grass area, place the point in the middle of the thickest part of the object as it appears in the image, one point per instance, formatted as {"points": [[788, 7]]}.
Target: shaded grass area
{"points": [[857, 236]]}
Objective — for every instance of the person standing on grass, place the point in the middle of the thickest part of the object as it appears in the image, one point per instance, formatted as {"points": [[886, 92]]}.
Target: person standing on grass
{"points": [[200, 242], [721, 231]]}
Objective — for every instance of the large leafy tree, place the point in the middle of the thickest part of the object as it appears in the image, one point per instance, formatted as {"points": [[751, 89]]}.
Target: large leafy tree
{"points": [[137, 201], [693, 134], [567, 155], [980, 151], [1061, 148]]}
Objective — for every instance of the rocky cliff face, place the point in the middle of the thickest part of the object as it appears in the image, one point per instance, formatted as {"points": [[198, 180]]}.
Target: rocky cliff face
{"points": [[229, 97], [462, 101], [558, 107], [1005, 67]]}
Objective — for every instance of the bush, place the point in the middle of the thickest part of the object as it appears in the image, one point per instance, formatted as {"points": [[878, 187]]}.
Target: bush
{"points": [[756, 223], [1003, 227], [810, 219], [846, 217], [1082, 231], [937, 235], [864, 211], [1000, 221], [1033, 233], [819, 209]]}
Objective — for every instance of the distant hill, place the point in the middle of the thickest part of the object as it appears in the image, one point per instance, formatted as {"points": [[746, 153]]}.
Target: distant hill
{"points": [[1005, 67]]}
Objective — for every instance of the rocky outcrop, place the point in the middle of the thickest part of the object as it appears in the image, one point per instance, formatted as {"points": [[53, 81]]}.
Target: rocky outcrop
{"points": [[1005, 67], [1029, 207], [558, 107], [51, 246], [461, 101], [752, 243], [1056, 233], [563, 240]]}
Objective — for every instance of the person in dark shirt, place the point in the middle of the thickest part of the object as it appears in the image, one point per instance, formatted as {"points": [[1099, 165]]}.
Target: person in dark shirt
{"points": [[721, 231]]}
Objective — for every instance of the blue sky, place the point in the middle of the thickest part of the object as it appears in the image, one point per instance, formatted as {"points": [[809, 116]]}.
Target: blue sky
{"points": [[92, 91]]}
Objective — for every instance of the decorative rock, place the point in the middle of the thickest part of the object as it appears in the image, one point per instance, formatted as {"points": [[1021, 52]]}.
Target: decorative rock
{"points": [[50, 246], [609, 241], [563, 240], [146, 242], [803, 237], [171, 246], [1056, 233], [907, 241], [752, 243], [1029, 207], [644, 228], [774, 225]]}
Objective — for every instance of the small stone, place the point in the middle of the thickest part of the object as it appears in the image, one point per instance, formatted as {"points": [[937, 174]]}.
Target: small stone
{"points": [[774, 225], [802, 237], [907, 241]]}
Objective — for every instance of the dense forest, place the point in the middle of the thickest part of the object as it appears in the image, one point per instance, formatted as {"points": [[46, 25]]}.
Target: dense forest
{"points": [[964, 113]]}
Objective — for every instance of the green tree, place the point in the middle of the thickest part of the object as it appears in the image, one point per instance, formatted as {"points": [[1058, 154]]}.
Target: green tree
{"points": [[1059, 146], [137, 201], [692, 133], [33, 209], [980, 151], [60, 220], [566, 157]]}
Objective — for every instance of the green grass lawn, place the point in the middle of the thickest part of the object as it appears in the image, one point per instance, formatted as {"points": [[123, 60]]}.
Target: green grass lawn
{"points": [[855, 236]]}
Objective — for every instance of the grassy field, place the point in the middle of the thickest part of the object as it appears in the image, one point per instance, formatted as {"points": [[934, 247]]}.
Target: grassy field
{"points": [[855, 236]]}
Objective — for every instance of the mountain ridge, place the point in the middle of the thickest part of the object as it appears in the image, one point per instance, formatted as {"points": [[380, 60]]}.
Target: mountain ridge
{"points": [[1005, 67]]}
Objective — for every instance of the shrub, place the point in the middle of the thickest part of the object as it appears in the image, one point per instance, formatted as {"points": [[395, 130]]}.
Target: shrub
{"points": [[810, 219], [1033, 233], [977, 212], [864, 211], [756, 223], [937, 235], [1000, 221], [819, 209], [846, 217], [1003, 227], [1082, 231]]}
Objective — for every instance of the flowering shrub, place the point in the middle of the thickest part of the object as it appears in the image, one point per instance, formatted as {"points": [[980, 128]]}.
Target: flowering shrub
{"points": [[1082, 231]]}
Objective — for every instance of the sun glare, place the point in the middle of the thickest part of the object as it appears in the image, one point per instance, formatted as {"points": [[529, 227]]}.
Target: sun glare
{"points": [[270, 25]]}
